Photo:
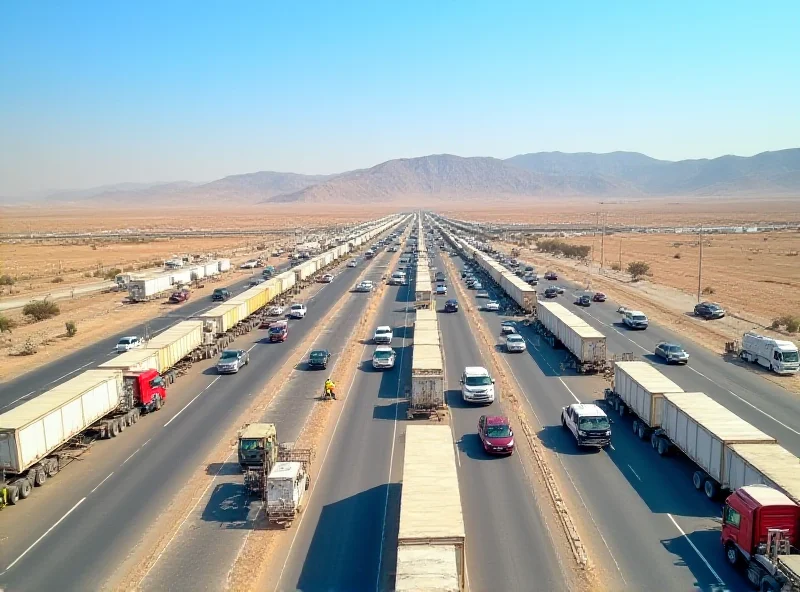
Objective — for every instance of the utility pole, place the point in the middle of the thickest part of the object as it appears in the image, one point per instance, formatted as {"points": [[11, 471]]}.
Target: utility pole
{"points": [[700, 267], [620, 252], [602, 241]]}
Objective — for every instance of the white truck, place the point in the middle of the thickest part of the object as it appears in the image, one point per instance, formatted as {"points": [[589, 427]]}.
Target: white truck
{"points": [[287, 484], [639, 388], [150, 287], [431, 534], [584, 342], [427, 367], [778, 355], [703, 430]]}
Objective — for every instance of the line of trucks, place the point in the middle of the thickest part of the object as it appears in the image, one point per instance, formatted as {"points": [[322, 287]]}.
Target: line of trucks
{"points": [[423, 285], [761, 479], [150, 285], [41, 436]]}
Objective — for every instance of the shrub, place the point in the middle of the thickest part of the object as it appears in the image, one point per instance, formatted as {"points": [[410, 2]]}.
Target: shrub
{"points": [[676, 256], [72, 328], [791, 322], [87, 274], [6, 280], [6, 324], [616, 266], [29, 348], [39, 310], [112, 273], [708, 290], [57, 280], [559, 247], [793, 325], [638, 269]]}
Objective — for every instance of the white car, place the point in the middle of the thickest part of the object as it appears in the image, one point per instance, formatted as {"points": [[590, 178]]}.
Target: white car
{"points": [[635, 319], [515, 343], [588, 423], [491, 305], [252, 264], [477, 385], [129, 343], [441, 290], [352, 263], [383, 334], [275, 311], [383, 358], [297, 311]]}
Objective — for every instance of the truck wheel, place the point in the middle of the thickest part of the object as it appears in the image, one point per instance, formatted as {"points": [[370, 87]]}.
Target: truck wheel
{"points": [[25, 488], [711, 489], [654, 441], [113, 429], [122, 423], [635, 426], [642, 431], [663, 446], [621, 410], [12, 494], [731, 553], [157, 403], [39, 477], [698, 480], [51, 466], [135, 416]]}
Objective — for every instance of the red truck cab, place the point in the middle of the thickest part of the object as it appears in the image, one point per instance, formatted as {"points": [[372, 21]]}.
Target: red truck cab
{"points": [[279, 331], [749, 514], [147, 388]]}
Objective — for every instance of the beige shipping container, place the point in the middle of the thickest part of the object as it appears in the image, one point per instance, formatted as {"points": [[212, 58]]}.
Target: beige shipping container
{"points": [[135, 360], [221, 318], [766, 464], [177, 342], [426, 337], [425, 315]]}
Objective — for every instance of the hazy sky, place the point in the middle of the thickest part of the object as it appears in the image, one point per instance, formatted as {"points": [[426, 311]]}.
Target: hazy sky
{"points": [[104, 92]]}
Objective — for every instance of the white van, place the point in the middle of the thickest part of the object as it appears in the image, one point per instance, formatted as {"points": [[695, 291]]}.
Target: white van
{"points": [[477, 385], [776, 354]]}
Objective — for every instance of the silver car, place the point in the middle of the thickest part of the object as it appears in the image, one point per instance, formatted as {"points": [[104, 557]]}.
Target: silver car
{"points": [[515, 343], [232, 360], [672, 353]]}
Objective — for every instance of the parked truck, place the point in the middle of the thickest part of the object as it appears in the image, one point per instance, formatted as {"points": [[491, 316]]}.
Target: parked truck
{"points": [[639, 388], [561, 327], [760, 529], [703, 429], [778, 355], [39, 437], [431, 537], [149, 287]]}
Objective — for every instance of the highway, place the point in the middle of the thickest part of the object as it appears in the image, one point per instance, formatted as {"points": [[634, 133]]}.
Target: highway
{"points": [[74, 532], [35, 382], [208, 542], [632, 506]]}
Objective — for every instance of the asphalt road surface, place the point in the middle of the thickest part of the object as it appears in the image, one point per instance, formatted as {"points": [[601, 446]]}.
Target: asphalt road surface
{"points": [[72, 533], [31, 384], [202, 554]]}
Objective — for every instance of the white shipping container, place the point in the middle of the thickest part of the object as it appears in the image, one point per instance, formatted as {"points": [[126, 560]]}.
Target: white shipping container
{"points": [[181, 276], [642, 387], [285, 487], [198, 272], [223, 265], [428, 568], [702, 428], [211, 268], [33, 430], [585, 342], [427, 377], [766, 464], [143, 289]]}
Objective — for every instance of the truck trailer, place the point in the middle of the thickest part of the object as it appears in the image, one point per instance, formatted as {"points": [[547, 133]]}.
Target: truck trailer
{"points": [[560, 326], [41, 436], [431, 537]]}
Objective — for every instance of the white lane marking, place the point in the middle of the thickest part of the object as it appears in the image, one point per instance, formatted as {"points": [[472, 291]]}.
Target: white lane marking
{"points": [[48, 531], [96, 487], [132, 455], [745, 401], [696, 550], [185, 518], [634, 472], [644, 349], [72, 372], [251, 347], [190, 402], [577, 400], [145, 444], [394, 438], [17, 399]]}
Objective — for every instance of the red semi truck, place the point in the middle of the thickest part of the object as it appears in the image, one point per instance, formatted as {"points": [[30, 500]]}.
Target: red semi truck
{"points": [[759, 531]]}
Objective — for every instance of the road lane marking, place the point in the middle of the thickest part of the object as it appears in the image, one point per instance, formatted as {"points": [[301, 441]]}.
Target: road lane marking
{"points": [[96, 487], [394, 439], [132, 455], [145, 444], [48, 531], [634, 472], [577, 400], [696, 550], [192, 401], [745, 401], [17, 399], [72, 372]]}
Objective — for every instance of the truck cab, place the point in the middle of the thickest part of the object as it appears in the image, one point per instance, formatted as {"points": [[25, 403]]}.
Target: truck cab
{"points": [[759, 526], [279, 331], [146, 389], [258, 443]]}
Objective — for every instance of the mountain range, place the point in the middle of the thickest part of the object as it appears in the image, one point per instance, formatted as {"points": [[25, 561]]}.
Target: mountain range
{"points": [[444, 177]]}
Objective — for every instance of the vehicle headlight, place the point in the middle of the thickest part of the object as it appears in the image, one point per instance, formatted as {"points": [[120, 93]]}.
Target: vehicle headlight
{"points": [[581, 433], [511, 443], [608, 432]]}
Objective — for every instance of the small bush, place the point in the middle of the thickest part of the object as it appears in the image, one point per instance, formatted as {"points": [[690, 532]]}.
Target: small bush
{"points": [[72, 328], [616, 267], [98, 273], [793, 325], [6, 280], [676, 256], [39, 310], [29, 348], [87, 274], [6, 324], [559, 247], [57, 280], [791, 322], [708, 290], [638, 269]]}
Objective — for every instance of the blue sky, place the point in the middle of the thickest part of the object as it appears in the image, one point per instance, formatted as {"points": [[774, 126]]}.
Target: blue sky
{"points": [[104, 92]]}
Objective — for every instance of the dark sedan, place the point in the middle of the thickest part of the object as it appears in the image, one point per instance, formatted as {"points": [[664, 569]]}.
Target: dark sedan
{"points": [[319, 358], [583, 301], [451, 306], [709, 310], [599, 297]]}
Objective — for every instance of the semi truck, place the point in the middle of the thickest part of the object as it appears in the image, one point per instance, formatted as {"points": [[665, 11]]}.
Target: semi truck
{"points": [[431, 538], [778, 355], [39, 437], [427, 368], [584, 342]]}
